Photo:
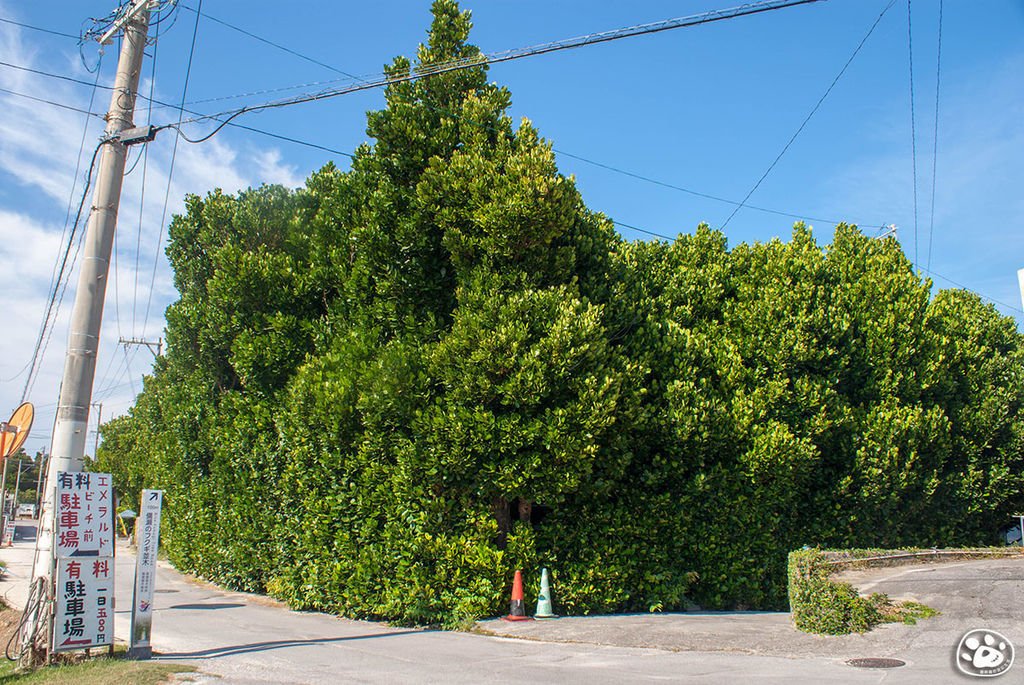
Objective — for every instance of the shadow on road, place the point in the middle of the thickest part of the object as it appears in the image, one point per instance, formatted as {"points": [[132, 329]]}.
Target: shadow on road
{"points": [[232, 650], [211, 606]]}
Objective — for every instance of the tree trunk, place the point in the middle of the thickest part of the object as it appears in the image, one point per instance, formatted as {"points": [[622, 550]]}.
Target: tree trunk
{"points": [[504, 519]]}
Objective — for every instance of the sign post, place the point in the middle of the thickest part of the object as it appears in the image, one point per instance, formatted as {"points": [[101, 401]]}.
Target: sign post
{"points": [[84, 562], [147, 541]]}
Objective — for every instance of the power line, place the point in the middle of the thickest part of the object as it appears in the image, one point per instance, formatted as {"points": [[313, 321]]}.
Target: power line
{"points": [[935, 139], [48, 74], [642, 230], [170, 171], [811, 114], [266, 41], [913, 125], [263, 91], [716, 198], [54, 281], [155, 101], [145, 168], [40, 29], [51, 102], [50, 316], [331, 150], [964, 287], [556, 150], [479, 60]]}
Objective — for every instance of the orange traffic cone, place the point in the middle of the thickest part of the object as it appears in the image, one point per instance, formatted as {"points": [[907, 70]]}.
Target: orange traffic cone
{"points": [[517, 610]]}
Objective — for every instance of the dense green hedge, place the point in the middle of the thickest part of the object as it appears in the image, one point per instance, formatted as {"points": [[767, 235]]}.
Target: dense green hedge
{"points": [[388, 389]]}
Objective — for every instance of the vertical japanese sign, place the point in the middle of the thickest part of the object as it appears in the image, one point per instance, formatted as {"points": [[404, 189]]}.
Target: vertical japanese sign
{"points": [[84, 550], [148, 539]]}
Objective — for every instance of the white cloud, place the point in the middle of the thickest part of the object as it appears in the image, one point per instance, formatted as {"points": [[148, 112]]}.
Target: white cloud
{"points": [[272, 169], [39, 146]]}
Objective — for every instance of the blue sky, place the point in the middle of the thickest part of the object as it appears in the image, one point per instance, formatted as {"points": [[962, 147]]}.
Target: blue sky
{"points": [[706, 109]]}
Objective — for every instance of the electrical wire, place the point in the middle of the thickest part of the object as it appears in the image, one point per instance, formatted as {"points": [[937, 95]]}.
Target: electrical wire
{"points": [[51, 102], [130, 169], [935, 140], [263, 91], [50, 316], [695, 193], [266, 41], [452, 114], [913, 125], [48, 74], [60, 302], [145, 168], [964, 287], [103, 378], [479, 60], [346, 154], [642, 230], [38, 28], [170, 171], [159, 103], [67, 216], [808, 117]]}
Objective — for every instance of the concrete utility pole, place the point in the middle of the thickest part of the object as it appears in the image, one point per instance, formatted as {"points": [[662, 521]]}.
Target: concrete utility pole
{"points": [[99, 420], [67, 451], [3, 497], [40, 466], [17, 492]]}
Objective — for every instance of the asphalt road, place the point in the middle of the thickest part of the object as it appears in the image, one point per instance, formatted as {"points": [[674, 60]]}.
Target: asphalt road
{"points": [[240, 639]]}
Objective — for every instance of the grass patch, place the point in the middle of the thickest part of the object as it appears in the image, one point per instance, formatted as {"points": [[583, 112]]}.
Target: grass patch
{"points": [[98, 670], [900, 612], [95, 671]]}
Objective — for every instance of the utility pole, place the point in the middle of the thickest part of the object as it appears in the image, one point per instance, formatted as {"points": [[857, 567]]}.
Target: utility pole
{"points": [[17, 491], [99, 420], [3, 497], [40, 469], [148, 344], [67, 451]]}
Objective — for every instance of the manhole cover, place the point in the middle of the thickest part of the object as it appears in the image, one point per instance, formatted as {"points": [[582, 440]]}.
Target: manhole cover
{"points": [[876, 662]]}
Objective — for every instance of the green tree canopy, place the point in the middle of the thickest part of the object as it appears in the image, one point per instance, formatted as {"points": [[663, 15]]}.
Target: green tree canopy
{"points": [[386, 390]]}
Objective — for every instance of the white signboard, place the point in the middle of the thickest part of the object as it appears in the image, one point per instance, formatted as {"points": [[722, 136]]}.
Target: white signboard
{"points": [[84, 584], [148, 538], [84, 593], [85, 515]]}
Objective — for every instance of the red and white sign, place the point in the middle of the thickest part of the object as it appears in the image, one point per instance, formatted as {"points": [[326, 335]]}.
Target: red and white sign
{"points": [[85, 515], [84, 593], [84, 584]]}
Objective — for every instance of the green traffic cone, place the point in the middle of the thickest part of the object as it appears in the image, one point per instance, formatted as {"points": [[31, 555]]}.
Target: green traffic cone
{"points": [[544, 598]]}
